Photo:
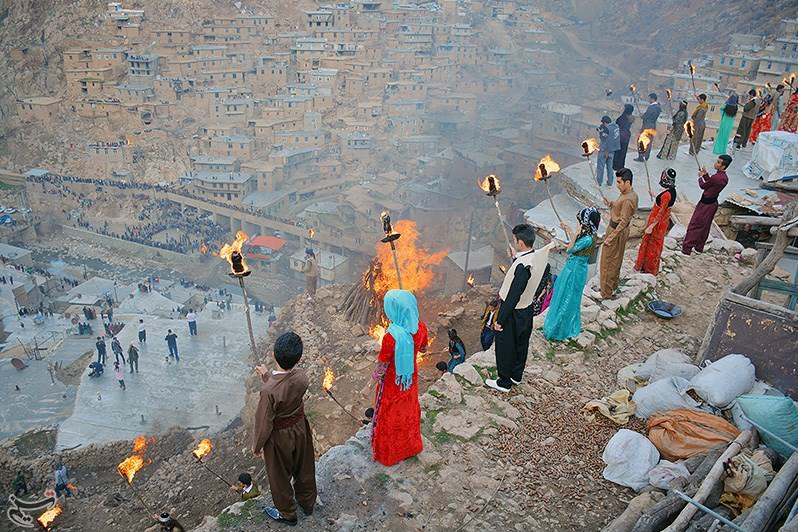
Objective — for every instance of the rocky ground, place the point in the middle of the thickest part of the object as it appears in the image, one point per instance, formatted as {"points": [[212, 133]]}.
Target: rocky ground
{"points": [[529, 460]]}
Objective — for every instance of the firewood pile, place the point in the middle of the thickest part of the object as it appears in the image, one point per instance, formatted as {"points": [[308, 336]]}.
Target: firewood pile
{"points": [[362, 304]]}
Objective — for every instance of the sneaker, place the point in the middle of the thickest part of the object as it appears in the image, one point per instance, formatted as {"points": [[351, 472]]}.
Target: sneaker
{"points": [[493, 383], [515, 381], [274, 513]]}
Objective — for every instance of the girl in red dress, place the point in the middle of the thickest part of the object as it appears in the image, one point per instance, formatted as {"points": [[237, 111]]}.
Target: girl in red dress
{"points": [[396, 433], [657, 225], [764, 119]]}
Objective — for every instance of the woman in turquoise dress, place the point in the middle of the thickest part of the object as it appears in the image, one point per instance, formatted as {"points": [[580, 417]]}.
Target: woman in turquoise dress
{"points": [[564, 316], [727, 114]]}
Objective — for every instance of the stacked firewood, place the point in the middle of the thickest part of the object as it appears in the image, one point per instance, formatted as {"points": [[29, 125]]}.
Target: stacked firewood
{"points": [[362, 304]]}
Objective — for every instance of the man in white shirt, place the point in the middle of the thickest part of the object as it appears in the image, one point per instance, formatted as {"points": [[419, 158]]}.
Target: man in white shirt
{"points": [[142, 332], [192, 322]]}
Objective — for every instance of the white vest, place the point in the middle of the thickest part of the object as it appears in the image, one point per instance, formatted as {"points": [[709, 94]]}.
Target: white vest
{"points": [[536, 263]]}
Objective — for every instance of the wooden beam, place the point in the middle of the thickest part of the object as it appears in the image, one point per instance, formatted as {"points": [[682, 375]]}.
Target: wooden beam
{"points": [[740, 219]]}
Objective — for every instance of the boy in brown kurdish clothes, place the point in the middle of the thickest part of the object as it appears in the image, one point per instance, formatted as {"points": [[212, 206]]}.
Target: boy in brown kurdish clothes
{"points": [[282, 433]]}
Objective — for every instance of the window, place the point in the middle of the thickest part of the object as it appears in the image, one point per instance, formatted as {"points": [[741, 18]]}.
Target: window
{"points": [[731, 61], [770, 64], [742, 63]]}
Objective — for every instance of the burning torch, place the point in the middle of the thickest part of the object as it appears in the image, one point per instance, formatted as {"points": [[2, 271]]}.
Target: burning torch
{"points": [[643, 141], [692, 76], [689, 127], [790, 81], [203, 448], [589, 147], [546, 168], [633, 90], [327, 384], [670, 97], [239, 270], [492, 188], [46, 519], [390, 238], [130, 465]]}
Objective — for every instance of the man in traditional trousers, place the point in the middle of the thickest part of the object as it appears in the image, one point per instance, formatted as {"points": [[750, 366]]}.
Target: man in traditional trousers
{"points": [[621, 212], [747, 120], [513, 323], [699, 117], [649, 120], [310, 270], [282, 433], [778, 106], [701, 221]]}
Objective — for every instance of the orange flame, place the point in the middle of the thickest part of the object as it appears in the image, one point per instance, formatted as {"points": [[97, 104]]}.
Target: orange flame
{"points": [[791, 77], [590, 146], [311, 232], [632, 87], [644, 139], [415, 262], [49, 516], [470, 281], [329, 379], [546, 167], [72, 487], [692, 69], [139, 444], [204, 248], [485, 184], [228, 250], [203, 448], [503, 268], [130, 465], [768, 86], [689, 128], [669, 93], [378, 331], [717, 86]]}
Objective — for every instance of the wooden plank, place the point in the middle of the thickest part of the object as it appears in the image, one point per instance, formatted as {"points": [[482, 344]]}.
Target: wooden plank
{"points": [[763, 332], [741, 219]]}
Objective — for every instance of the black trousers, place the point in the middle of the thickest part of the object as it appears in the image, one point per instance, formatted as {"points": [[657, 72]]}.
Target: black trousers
{"points": [[512, 346]]}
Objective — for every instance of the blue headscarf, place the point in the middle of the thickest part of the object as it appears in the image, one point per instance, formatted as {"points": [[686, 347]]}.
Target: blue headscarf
{"points": [[401, 308]]}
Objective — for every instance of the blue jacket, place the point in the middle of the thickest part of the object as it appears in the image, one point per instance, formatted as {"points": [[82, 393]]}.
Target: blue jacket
{"points": [[609, 138]]}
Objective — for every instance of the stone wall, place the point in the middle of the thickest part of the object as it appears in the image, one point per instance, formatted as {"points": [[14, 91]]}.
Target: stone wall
{"points": [[118, 243]]}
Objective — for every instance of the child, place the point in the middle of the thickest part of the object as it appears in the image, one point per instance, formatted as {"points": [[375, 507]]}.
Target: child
{"points": [[119, 376], [249, 490], [282, 433]]}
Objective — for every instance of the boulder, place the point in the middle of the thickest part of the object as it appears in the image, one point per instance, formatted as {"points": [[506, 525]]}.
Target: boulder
{"points": [[463, 424], [448, 387], [469, 373], [677, 232], [748, 256]]}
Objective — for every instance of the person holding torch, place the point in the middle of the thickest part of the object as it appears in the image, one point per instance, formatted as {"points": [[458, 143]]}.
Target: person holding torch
{"points": [[699, 118], [621, 212], [282, 433]]}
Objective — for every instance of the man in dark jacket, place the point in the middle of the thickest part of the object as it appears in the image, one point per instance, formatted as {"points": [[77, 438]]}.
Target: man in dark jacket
{"points": [[609, 143], [101, 349], [650, 122], [746, 120]]}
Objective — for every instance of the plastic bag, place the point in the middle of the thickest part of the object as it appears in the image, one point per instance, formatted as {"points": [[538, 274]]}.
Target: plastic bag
{"points": [[664, 472], [629, 457], [662, 396], [776, 414], [667, 363], [760, 388], [627, 378], [617, 406], [680, 434], [723, 380]]}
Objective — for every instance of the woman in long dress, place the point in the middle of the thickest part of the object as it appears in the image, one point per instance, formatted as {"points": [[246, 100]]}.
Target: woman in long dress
{"points": [[764, 118], [699, 117], [648, 256], [789, 120], [625, 126], [727, 114], [564, 316], [396, 434], [671, 143]]}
